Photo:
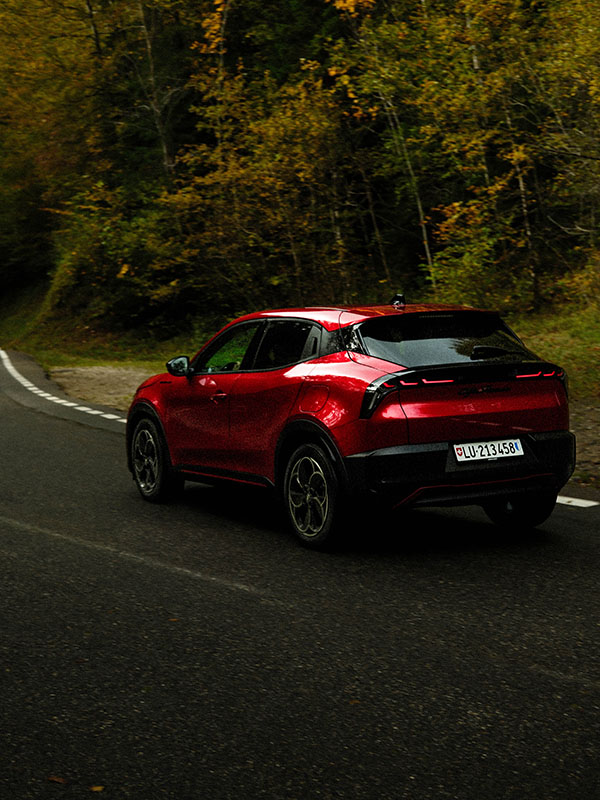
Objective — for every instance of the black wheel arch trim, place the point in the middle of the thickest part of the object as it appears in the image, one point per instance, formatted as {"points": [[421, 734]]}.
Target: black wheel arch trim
{"points": [[306, 431], [142, 410]]}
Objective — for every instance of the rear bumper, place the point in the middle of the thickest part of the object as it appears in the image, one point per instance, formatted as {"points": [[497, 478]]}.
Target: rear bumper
{"points": [[430, 475]]}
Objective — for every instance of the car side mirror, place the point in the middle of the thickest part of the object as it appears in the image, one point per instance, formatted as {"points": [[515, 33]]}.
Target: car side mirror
{"points": [[179, 366]]}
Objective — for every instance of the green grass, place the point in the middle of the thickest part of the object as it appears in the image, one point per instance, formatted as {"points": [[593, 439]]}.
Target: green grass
{"points": [[72, 343], [17, 313], [569, 336]]}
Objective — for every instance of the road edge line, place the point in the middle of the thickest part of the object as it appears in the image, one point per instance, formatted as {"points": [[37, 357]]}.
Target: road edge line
{"points": [[31, 387]]}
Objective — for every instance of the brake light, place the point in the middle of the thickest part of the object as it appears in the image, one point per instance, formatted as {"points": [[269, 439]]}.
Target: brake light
{"points": [[560, 374], [384, 386], [554, 374]]}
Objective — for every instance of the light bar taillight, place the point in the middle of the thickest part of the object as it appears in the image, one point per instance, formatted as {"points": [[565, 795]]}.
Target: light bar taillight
{"points": [[554, 374], [557, 374], [464, 374], [384, 386]]}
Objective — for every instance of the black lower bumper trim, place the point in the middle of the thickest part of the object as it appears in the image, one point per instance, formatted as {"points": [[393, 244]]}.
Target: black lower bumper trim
{"points": [[429, 474]]}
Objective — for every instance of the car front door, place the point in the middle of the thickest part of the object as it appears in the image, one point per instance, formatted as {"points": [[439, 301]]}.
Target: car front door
{"points": [[199, 409]]}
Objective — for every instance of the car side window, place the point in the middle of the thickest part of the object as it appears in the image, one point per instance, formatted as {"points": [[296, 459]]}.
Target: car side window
{"points": [[287, 342], [231, 351]]}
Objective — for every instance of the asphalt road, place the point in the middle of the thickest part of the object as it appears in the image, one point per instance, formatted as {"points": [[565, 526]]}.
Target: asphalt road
{"points": [[196, 652]]}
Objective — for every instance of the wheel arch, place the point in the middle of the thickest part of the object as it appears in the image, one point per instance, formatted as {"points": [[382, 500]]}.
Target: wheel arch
{"points": [[302, 432], [141, 411]]}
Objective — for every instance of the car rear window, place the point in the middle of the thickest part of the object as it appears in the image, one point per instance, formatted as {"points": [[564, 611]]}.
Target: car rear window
{"points": [[440, 338]]}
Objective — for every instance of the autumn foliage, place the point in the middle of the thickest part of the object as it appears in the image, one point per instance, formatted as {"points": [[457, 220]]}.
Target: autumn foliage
{"points": [[169, 159]]}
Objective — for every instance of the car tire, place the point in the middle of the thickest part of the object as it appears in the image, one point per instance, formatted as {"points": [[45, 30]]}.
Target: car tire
{"points": [[521, 511], [151, 465], [310, 494]]}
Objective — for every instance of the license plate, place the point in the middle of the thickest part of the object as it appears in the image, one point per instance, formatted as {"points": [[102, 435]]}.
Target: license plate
{"points": [[484, 451]]}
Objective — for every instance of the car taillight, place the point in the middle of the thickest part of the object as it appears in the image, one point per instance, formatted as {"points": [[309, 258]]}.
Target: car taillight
{"points": [[459, 373], [380, 388], [558, 374], [375, 393], [541, 374]]}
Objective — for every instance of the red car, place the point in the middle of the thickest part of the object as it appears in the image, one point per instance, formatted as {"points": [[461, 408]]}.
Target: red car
{"points": [[408, 405]]}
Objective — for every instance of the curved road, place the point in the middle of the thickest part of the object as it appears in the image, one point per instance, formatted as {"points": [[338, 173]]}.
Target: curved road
{"points": [[196, 652]]}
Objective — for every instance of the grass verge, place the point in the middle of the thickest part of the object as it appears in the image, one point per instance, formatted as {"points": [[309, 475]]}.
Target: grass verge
{"points": [[72, 343], [568, 336]]}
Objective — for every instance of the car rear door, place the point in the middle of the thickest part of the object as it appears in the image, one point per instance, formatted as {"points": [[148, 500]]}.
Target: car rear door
{"points": [[262, 398]]}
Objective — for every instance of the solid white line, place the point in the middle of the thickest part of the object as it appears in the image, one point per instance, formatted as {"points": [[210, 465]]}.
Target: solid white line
{"points": [[147, 561], [47, 396], [576, 501]]}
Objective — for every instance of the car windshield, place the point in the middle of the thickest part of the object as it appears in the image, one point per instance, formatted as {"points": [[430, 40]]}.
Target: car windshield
{"points": [[440, 338]]}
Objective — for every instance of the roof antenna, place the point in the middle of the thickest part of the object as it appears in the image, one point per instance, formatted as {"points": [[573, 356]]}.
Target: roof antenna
{"points": [[398, 301]]}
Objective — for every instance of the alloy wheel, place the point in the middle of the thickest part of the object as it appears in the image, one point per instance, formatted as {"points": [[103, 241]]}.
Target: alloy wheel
{"points": [[308, 496], [146, 460]]}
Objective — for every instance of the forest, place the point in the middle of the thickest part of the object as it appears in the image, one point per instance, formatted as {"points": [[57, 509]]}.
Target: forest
{"points": [[164, 160]]}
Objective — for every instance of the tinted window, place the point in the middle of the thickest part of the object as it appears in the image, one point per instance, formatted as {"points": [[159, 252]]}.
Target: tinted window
{"points": [[287, 342], [228, 352], [444, 338]]}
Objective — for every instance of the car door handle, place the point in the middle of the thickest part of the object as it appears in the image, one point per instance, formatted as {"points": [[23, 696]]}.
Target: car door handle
{"points": [[218, 396]]}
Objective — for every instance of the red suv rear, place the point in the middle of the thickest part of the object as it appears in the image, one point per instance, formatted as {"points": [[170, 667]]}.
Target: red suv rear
{"points": [[411, 404]]}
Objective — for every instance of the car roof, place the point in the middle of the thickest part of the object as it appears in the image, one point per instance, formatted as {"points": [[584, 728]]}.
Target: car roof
{"points": [[333, 317]]}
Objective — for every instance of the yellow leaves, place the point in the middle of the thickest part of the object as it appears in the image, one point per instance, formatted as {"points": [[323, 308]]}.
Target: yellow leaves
{"points": [[360, 108], [309, 65], [493, 12], [214, 29], [594, 88], [336, 70], [353, 7], [517, 154], [56, 779], [461, 219]]}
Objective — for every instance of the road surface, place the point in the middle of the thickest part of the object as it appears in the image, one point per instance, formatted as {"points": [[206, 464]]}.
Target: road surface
{"points": [[196, 652]]}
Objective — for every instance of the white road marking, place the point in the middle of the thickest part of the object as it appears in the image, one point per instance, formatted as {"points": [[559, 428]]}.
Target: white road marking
{"points": [[576, 501], [52, 398], [148, 561], [564, 677]]}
